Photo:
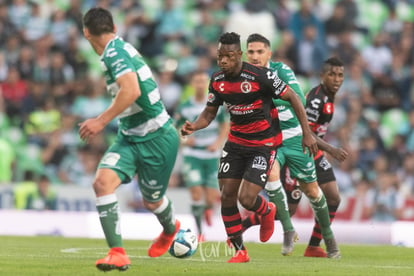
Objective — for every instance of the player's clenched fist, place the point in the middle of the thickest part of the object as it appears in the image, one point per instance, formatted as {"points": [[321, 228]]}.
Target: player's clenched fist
{"points": [[187, 128]]}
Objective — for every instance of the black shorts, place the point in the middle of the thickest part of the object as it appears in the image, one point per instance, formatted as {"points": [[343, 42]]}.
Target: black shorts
{"points": [[250, 163], [324, 170]]}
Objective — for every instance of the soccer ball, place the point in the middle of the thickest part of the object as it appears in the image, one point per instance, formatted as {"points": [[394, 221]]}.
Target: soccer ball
{"points": [[184, 245]]}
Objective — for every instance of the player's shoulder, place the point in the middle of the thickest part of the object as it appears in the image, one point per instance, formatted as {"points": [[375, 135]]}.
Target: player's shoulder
{"points": [[316, 91], [280, 67], [253, 69], [217, 76], [119, 47], [255, 73]]}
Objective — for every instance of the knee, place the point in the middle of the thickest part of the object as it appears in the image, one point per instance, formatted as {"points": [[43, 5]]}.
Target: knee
{"points": [[102, 186], [247, 201], [196, 195], [228, 199], [311, 190], [333, 200]]}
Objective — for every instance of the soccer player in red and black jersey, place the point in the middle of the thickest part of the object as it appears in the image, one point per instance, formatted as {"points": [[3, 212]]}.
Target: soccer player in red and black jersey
{"points": [[320, 110], [247, 157]]}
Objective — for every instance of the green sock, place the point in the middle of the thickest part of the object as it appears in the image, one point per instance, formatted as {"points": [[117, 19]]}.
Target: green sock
{"points": [[165, 215], [321, 211], [278, 197], [197, 210], [109, 217]]}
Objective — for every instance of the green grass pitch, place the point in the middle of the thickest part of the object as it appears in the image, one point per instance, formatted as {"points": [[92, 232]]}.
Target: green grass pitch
{"points": [[37, 256]]}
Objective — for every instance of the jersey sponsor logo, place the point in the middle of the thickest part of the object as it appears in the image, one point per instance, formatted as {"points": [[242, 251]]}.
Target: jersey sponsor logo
{"points": [[263, 177], [152, 184], [221, 86], [240, 109], [324, 164], [155, 195], [260, 163], [221, 76], [211, 97], [111, 52], [246, 86], [328, 108], [111, 158], [315, 103], [271, 75], [312, 114], [279, 86], [247, 76], [118, 65]]}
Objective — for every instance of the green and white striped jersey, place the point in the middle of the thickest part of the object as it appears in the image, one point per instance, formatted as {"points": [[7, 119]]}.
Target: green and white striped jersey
{"points": [[142, 119], [289, 123]]}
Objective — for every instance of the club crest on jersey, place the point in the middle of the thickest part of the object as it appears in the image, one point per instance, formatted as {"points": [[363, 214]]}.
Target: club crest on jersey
{"points": [[246, 86], [328, 108], [210, 97], [259, 163]]}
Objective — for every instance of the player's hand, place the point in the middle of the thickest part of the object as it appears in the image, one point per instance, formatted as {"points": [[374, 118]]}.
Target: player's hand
{"points": [[309, 142], [339, 154], [90, 128], [187, 128]]}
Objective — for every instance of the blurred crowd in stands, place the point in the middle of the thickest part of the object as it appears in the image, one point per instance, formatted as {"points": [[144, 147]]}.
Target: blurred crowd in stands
{"points": [[50, 78]]}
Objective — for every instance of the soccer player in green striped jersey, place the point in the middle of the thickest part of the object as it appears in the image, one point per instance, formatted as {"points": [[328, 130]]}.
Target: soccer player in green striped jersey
{"points": [[291, 153], [146, 144]]}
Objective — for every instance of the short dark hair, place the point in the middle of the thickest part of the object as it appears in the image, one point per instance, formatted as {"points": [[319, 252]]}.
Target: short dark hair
{"points": [[230, 39], [332, 61], [258, 38], [99, 21]]}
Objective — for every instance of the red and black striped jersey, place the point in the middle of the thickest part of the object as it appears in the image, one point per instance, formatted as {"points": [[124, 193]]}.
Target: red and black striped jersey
{"points": [[248, 98], [319, 110]]}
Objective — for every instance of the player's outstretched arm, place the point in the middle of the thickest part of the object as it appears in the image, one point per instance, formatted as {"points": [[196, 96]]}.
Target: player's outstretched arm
{"points": [[339, 154], [202, 121], [308, 140]]}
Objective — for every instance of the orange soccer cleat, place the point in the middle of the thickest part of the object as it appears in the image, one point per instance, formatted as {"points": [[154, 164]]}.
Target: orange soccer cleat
{"points": [[240, 256], [315, 251], [267, 223], [163, 242], [114, 260]]}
